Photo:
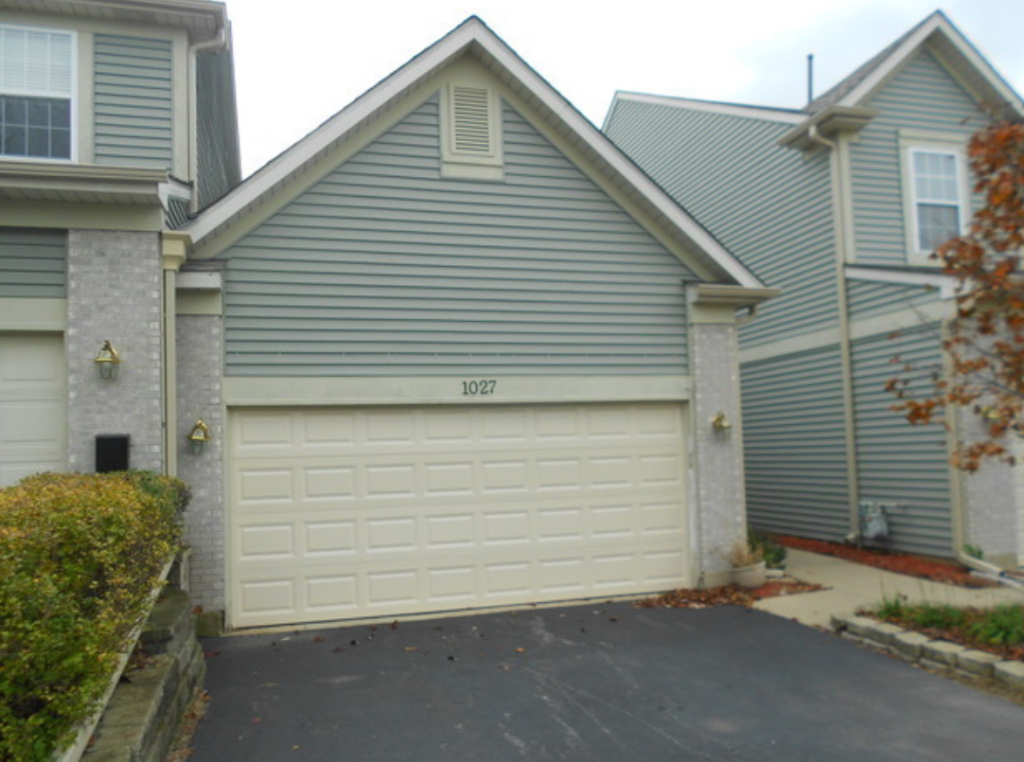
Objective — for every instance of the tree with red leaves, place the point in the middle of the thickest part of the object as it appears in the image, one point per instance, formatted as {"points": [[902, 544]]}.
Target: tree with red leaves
{"points": [[984, 342]]}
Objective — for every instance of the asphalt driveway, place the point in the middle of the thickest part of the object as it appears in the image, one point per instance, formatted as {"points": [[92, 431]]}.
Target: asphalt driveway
{"points": [[592, 682]]}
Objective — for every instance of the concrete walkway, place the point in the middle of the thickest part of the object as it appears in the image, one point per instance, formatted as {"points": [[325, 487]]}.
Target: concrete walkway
{"points": [[852, 586]]}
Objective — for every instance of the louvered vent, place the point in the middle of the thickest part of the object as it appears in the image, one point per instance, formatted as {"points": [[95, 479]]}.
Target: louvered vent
{"points": [[472, 123]]}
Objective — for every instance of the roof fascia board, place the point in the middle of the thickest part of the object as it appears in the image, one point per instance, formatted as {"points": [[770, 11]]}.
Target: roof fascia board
{"points": [[937, 24], [726, 109], [716, 294], [833, 120], [614, 158]]}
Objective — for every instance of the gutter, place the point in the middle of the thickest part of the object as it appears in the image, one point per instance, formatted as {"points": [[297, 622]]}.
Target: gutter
{"points": [[843, 223]]}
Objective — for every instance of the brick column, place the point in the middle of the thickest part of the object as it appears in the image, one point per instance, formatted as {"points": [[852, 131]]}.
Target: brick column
{"points": [[719, 491], [114, 293]]}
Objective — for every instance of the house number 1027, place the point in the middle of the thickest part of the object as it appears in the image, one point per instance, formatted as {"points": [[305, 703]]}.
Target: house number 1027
{"points": [[476, 388]]}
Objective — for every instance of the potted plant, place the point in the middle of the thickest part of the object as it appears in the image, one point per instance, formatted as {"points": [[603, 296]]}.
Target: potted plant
{"points": [[748, 568]]}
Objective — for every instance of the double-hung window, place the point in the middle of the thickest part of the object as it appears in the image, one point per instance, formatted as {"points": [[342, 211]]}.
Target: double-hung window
{"points": [[36, 89], [936, 196]]}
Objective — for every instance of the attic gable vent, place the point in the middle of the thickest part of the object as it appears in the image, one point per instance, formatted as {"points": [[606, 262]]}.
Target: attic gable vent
{"points": [[471, 122], [472, 131]]}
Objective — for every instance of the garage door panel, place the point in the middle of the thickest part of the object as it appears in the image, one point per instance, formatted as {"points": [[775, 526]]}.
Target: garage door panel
{"points": [[344, 513], [33, 405]]}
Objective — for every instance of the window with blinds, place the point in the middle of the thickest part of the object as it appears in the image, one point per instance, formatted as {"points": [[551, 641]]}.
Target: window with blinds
{"points": [[36, 87]]}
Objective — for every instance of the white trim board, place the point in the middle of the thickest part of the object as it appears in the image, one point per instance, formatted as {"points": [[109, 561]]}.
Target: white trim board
{"points": [[244, 391], [859, 329]]}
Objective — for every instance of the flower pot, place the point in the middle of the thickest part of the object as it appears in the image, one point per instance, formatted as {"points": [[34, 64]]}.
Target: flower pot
{"points": [[749, 576]]}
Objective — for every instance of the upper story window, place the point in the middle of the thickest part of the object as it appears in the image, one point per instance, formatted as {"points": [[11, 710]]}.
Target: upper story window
{"points": [[36, 93], [936, 194]]}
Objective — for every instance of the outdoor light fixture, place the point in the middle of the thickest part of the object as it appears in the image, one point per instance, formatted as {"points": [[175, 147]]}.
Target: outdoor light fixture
{"points": [[720, 422], [107, 362], [198, 438]]}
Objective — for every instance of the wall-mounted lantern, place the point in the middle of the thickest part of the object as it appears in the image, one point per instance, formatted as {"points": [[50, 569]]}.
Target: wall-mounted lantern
{"points": [[720, 422], [108, 362], [198, 437]]}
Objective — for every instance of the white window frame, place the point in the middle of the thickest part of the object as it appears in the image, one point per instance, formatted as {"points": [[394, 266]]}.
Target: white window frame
{"points": [[477, 164], [912, 144], [72, 95]]}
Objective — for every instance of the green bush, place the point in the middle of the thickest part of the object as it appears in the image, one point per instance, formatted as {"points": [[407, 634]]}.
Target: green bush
{"points": [[80, 554]]}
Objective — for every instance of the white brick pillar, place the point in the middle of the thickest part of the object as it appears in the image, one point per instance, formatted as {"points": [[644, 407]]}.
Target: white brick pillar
{"points": [[199, 381], [114, 294], [719, 495]]}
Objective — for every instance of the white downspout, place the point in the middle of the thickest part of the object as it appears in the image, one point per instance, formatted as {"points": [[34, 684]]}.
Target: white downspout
{"points": [[845, 357]]}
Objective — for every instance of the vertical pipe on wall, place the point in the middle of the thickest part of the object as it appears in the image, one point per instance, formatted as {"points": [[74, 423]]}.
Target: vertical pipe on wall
{"points": [[838, 158], [174, 248]]}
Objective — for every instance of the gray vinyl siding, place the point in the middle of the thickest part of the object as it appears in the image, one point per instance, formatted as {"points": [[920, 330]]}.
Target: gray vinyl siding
{"points": [[868, 298], [177, 213], [921, 96], [134, 101], [794, 444], [385, 268], [219, 168], [768, 205], [899, 463], [33, 264]]}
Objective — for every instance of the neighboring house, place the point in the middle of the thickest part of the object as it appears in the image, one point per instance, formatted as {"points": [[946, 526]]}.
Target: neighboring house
{"points": [[452, 348], [839, 205], [116, 119]]}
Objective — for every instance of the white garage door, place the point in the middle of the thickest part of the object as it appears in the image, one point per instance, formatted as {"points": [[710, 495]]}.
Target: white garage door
{"points": [[33, 407], [343, 513]]}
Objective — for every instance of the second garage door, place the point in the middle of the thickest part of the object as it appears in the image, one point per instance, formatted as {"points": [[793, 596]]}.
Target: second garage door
{"points": [[340, 513]]}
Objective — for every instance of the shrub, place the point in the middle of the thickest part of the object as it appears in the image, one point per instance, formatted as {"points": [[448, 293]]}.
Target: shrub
{"points": [[80, 555], [773, 553]]}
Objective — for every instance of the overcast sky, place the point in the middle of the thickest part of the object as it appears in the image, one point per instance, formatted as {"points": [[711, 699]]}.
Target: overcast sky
{"points": [[300, 61]]}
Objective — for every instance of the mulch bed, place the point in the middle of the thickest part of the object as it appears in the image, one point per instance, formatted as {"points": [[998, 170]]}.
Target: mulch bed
{"points": [[729, 595], [933, 569]]}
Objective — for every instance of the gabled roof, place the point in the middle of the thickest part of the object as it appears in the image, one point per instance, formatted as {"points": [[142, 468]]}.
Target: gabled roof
{"points": [[474, 38], [938, 35], [787, 115]]}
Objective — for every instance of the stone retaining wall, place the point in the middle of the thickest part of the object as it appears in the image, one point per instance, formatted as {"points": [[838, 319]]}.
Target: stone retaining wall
{"points": [[145, 712], [938, 654]]}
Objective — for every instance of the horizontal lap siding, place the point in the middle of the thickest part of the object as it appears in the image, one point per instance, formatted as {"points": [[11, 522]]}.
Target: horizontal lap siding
{"points": [[33, 264], [794, 444], [385, 268], [134, 101], [922, 97], [768, 205], [868, 298], [900, 463], [217, 128]]}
